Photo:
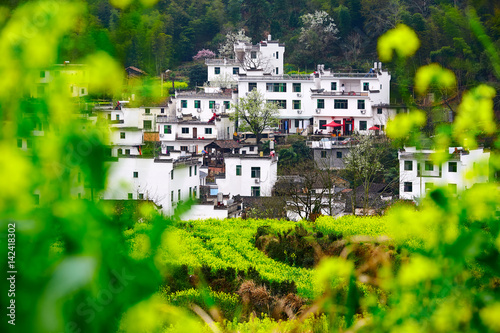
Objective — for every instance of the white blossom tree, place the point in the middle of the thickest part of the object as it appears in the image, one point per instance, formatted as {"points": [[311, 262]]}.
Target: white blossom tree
{"points": [[362, 165], [226, 49], [256, 114], [318, 34]]}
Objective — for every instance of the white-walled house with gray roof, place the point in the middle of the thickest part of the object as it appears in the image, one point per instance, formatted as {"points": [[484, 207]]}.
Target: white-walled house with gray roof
{"points": [[418, 174]]}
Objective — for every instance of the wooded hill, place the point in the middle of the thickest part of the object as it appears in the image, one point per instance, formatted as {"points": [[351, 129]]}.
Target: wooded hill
{"points": [[173, 31]]}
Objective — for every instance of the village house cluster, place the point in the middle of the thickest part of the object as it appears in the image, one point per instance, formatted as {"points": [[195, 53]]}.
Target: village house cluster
{"points": [[195, 152]]}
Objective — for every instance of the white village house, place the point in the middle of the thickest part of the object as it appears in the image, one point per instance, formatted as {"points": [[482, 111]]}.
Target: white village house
{"points": [[418, 174]]}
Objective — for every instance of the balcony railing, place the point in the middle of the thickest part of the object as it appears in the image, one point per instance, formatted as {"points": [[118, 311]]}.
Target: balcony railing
{"points": [[221, 62], [340, 93]]}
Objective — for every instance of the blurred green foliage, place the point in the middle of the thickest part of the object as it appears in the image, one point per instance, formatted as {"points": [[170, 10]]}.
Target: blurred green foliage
{"points": [[82, 269]]}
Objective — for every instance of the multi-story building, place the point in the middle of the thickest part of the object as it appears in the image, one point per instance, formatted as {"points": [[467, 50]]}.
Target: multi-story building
{"points": [[418, 174], [74, 78], [265, 57], [165, 181], [248, 175], [309, 102]]}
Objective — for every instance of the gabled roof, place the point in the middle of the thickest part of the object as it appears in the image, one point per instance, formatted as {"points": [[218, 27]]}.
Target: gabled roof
{"points": [[135, 70], [225, 144]]}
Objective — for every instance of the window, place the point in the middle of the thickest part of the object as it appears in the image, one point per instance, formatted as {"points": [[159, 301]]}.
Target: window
{"points": [[211, 104], [277, 55], [296, 87], [281, 102], [190, 192], [452, 188], [366, 86], [340, 104], [236, 70], [296, 104], [322, 124], [408, 186], [362, 125], [379, 110], [255, 172], [184, 103], [42, 74], [197, 104], [361, 103], [320, 104], [297, 123], [334, 86], [217, 70], [408, 165], [184, 148], [19, 143], [185, 130], [253, 54], [195, 167], [252, 86], [141, 196], [170, 148], [276, 87], [277, 70], [227, 105], [147, 124], [339, 154], [252, 148], [148, 111], [323, 154], [452, 166], [130, 196], [120, 151], [429, 166], [194, 192], [255, 191], [179, 194], [238, 170], [190, 171], [117, 117], [167, 129], [127, 152], [82, 92], [162, 110], [122, 135], [171, 196], [172, 174], [136, 174], [208, 130]]}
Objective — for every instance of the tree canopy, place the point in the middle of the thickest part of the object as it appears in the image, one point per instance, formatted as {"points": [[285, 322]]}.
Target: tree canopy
{"points": [[256, 114]]}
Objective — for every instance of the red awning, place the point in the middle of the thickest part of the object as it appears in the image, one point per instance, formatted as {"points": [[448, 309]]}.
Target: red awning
{"points": [[333, 124], [374, 128]]}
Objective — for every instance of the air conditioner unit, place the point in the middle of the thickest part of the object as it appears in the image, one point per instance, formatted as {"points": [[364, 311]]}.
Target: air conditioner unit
{"points": [[299, 111], [161, 135], [299, 95], [362, 111], [198, 110], [318, 110], [257, 181]]}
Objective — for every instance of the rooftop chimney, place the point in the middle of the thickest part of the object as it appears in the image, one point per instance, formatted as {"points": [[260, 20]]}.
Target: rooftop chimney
{"points": [[269, 38]]}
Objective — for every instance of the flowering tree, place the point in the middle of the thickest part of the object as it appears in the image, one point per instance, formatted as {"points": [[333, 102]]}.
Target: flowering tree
{"points": [[226, 49], [204, 54], [317, 35], [256, 114]]}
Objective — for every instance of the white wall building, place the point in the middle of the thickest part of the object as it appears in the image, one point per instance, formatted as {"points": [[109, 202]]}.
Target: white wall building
{"points": [[74, 78], [265, 57], [418, 174], [248, 175], [356, 101], [164, 181]]}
